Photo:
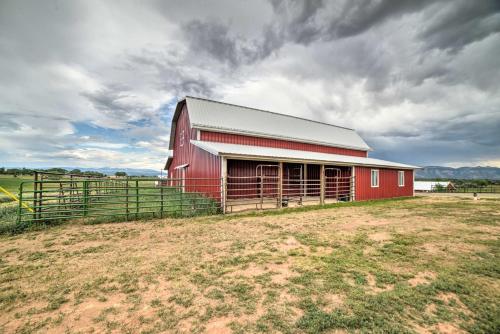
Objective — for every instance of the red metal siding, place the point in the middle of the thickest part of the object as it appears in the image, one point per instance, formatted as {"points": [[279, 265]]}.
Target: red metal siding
{"points": [[388, 184], [201, 163], [230, 138]]}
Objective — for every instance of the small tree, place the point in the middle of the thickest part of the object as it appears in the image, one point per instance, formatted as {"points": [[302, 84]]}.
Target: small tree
{"points": [[438, 187], [120, 174]]}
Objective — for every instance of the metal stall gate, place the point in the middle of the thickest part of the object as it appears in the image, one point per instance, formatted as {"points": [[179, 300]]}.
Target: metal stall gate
{"points": [[258, 191], [276, 185], [63, 197]]}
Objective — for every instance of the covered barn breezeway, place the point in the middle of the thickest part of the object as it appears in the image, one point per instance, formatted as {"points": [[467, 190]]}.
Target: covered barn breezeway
{"points": [[254, 184]]}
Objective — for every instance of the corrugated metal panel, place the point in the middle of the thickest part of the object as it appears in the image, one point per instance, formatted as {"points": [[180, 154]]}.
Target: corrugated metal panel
{"points": [[232, 138], [206, 114], [201, 163], [296, 155], [388, 184]]}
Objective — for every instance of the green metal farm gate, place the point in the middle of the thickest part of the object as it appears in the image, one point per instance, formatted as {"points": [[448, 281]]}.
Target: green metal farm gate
{"points": [[55, 197]]}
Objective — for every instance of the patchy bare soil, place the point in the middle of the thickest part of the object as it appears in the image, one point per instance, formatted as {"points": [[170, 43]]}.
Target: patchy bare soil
{"points": [[425, 265]]}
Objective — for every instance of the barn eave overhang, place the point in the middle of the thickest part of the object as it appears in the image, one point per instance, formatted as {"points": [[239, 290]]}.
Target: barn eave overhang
{"points": [[308, 161], [247, 152]]}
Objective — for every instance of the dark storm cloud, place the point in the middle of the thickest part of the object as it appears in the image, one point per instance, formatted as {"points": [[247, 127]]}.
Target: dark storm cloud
{"points": [[462, 22], [452, 24], [175, 76], [358, 16], [298, 18], [481, 131], [216, 40], [307, 21], [119, 104]]}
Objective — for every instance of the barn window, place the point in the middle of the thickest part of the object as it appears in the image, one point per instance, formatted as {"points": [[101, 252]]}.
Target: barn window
{"points": [[401, 178], [375, 177], [182, 138]]}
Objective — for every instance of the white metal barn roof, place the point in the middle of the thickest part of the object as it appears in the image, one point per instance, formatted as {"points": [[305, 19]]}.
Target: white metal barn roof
{"points": [[212, 115], [242, 151], [429, 185]]}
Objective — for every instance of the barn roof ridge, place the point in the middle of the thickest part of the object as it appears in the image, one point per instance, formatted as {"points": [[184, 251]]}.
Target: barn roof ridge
{"points": [[268, 111]]}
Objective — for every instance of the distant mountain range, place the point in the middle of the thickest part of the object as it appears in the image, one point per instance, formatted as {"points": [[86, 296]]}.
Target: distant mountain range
{"points": [[429, 172], [468, 173]]}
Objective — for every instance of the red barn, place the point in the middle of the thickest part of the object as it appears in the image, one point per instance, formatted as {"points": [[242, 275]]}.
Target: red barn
{"points": [[250, 157]]}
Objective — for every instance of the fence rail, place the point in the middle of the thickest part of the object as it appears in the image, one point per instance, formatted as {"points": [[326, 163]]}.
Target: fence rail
{"points": [[492, 189], [267, 192], [56, 197], [127, 198]]}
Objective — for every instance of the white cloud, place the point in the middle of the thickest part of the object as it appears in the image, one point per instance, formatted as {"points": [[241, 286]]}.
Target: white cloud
{"points": [[85, 82]]}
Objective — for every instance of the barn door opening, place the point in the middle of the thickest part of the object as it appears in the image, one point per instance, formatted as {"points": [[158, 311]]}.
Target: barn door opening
{"points": [[180, 176], [183, 178]]}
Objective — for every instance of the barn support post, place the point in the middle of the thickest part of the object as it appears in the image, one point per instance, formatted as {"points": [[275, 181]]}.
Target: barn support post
{"points": [[322, 185], [280, 185], [224, 184], [305, 181]]}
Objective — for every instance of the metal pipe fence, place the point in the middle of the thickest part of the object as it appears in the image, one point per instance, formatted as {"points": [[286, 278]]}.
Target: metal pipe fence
{"points": [[488, 189], [79, 197], [56, 200], [267, 192]]}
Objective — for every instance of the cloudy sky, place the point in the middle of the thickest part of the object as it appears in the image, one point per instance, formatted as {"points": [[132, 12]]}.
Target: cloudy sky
{"points": [[94, 83]]}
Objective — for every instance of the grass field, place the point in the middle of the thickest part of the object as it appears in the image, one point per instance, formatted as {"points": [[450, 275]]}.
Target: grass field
{"points": [[11, 183], [419, 265], [110, 200], [8, 207]]}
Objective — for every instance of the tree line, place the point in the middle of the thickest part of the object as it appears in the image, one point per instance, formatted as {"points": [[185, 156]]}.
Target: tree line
{"points": [[28, 171]]}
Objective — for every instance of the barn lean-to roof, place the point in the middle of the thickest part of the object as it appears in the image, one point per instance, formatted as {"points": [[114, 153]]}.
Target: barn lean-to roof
{"points": [[271, 153], [224, 117]]}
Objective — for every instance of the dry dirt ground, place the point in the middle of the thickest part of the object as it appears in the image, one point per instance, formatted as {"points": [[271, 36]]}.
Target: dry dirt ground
{"points": [[425, 265]]}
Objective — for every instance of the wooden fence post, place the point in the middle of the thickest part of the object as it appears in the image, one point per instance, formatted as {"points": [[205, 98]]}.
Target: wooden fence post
{"points": [[304, 189], [280, 185], [224, 185]]}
